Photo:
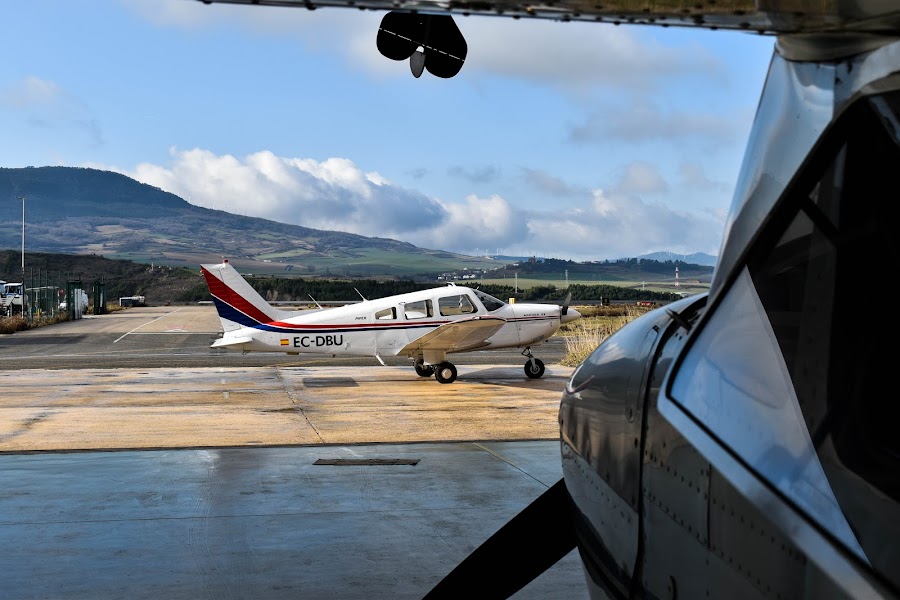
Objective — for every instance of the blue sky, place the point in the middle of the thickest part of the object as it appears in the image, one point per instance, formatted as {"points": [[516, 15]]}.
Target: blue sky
{"points": [[568, 140]]}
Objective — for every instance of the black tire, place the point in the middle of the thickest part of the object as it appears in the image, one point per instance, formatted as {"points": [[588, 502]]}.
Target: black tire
{"points": [[536, 370], [423, 370], [445, 372]]}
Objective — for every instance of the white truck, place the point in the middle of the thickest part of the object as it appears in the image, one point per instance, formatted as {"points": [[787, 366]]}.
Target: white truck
{"points": [[10, 299], [80, 302]]}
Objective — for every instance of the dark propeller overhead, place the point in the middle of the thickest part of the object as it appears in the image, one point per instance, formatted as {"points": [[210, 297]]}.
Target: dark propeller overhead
{"points": [[431, 42]]}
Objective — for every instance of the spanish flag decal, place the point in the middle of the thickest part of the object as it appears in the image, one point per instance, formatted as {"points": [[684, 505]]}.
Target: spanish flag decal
{"points": [[285, 342]]}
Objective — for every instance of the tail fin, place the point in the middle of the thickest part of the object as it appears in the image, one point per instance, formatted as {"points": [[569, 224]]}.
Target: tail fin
{"points": [[239, 305]]}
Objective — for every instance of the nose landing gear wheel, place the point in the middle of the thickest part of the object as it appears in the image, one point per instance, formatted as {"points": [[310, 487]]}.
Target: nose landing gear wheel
{"points": [[423, 370], [445, 372], [534, 370]]}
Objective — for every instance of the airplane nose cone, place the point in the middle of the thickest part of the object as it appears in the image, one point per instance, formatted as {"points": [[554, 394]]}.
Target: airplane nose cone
{"points": [[570, 315]]}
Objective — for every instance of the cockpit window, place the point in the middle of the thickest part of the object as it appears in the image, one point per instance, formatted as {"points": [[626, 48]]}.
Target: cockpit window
{"points": [[455, 305], [834, 242], [490, 303]]}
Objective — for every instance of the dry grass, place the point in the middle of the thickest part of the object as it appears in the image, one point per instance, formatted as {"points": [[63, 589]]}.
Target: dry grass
{"points": [[13, 324], [20, 323], [595, 325]]}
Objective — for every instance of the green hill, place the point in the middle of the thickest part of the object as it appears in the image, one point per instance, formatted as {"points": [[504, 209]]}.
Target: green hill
{"points": [[104, 226], [88, 211]]}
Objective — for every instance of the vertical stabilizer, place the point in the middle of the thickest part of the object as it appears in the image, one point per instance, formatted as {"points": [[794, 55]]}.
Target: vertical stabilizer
{"points": [[238, 304]]}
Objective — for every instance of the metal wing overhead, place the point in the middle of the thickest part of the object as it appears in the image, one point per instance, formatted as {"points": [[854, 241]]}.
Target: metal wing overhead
{"points": [[457, 336], [761, 16]]}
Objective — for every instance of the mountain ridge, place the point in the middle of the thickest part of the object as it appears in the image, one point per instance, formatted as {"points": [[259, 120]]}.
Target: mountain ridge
{"points": [[79, 210], [85, 211]]}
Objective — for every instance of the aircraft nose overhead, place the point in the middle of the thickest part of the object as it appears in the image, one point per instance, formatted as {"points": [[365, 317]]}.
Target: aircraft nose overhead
{"points": [[569, 315]]}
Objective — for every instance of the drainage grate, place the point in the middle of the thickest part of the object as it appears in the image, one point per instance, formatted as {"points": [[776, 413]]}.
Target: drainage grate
{"points": [[318, 382], [355, 462]]}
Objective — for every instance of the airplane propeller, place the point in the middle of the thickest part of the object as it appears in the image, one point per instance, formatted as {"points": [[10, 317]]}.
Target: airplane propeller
{"points": [[431, 42], [532, 542], [564, 310]]}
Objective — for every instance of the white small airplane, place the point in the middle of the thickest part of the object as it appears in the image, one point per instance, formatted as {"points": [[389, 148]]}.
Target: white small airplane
{"points": [[426, 325]]}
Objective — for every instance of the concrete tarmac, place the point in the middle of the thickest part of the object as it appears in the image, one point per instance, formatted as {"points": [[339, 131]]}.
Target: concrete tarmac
{"points": [[262, 406], [203, 482]]}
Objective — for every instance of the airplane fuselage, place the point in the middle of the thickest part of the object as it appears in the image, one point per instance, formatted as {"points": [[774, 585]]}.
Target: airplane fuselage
{"points": [[425, 326], [386, 326]]}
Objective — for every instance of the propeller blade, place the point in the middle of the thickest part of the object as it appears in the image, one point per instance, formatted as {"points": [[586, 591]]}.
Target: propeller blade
{"points": [[565, 305], [532, 542]]}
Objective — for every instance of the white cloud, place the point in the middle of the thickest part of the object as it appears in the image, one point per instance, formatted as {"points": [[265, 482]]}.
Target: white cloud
{"points": [[571, 55], [549, 183], [475, 223], [641, 178], [693, 176], [617, 224], [336, 194], [266, 20], [31, 92], [484, 174], [45, 105], [643, 120], [330, 194], [333, 31], [576, 54]]}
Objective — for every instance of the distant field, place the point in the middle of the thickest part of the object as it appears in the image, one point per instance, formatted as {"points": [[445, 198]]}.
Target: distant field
{"points": [[371, 263], [527, 282], [653, 286]]}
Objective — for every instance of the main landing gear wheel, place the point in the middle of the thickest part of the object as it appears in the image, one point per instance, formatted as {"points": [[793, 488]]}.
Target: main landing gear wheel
{"points": [[423, 370], [534, 368], [445, 372]]}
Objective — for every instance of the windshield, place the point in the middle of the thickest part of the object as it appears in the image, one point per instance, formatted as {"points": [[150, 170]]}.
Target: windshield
{"points": [[490, 303], [813, 422]]}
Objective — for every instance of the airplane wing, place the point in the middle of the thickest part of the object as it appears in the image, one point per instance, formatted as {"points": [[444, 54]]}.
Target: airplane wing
{"points": [[765, 17], [457, 336]]}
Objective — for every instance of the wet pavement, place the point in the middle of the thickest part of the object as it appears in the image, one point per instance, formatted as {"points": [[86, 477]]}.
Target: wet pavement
{"points": [[203, 482]]}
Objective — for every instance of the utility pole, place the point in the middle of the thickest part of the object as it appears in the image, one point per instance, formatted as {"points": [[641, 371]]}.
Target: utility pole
{"points": [[22, 198], [24, 301]]}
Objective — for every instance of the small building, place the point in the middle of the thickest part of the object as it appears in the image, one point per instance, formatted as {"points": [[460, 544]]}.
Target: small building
{"points": [[131, 301]]}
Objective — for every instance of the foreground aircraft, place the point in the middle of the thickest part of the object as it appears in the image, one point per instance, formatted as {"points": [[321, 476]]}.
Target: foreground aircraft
{"points": [[741, 443], [425, 326]]}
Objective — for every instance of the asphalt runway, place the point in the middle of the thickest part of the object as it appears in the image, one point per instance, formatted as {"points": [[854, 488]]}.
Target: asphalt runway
{"points": [[137, 462], [180, 336]]}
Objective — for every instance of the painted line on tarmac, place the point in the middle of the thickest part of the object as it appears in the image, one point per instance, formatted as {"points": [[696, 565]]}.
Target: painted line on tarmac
{"points": [[147, 323]]}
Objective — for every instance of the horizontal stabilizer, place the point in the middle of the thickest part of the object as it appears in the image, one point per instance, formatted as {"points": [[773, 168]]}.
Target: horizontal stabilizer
{"points": [[457, 336], [225, 342]]}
